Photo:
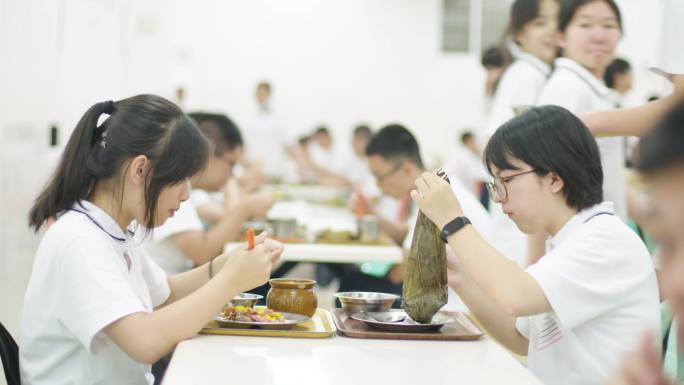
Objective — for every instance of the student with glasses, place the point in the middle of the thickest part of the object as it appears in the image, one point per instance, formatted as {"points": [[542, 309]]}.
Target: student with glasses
{"points": [[577, 310], [182, 242]]}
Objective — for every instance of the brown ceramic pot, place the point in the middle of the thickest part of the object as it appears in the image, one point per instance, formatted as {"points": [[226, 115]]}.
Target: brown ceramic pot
{"points": [[292, 296]]}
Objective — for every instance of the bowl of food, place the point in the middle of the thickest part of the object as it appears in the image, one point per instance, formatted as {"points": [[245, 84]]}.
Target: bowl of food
{"points": [[357, 301], [247, 300]]}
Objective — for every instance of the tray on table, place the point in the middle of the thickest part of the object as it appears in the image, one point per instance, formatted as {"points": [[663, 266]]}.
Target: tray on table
{"points": [[320, 326], [461, 330]]}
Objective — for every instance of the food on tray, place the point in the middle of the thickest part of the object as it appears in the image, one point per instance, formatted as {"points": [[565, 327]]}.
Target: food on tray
{"points": [[247, 314], [425, 283], [333, 236]]}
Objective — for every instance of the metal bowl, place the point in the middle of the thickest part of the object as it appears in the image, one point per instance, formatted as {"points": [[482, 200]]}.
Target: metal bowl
{"points": [[245, 299], [358, 301]]}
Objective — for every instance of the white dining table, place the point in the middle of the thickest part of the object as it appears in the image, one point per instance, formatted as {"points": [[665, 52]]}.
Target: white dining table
{"points": [[339, 360], [318, 217]]}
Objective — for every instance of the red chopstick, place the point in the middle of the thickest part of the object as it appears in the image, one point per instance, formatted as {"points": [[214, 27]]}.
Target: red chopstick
{"points": [[250, 238]]}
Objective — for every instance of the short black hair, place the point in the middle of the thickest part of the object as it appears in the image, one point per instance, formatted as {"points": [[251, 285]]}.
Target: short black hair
{"points": [[362, 130], [395, 142], [617, 66], [466, 136], [264, 84], [569, 8], [223, 133], [322, 130], [664, 145], [551, 139], [493, 57]]}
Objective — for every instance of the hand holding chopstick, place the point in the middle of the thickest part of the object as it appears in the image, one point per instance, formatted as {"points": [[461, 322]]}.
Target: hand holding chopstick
{"points": [[250, 238]]}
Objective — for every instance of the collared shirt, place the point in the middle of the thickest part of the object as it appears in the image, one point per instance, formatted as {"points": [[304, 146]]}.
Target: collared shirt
{"points": [[601, 284], [573, 87], [669, 56], [87, 273], [520, 85], [162, 248]]}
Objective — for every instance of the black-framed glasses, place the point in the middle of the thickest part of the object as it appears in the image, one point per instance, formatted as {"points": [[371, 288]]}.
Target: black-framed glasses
{"points": [[395, 168], [497, 187]]}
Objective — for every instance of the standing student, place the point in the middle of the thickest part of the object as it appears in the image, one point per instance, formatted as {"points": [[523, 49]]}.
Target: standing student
{"points": [[582, 305], [532, 43], [531, 40], [97, 309], [589, 31], [669, 62], [266, 137]]}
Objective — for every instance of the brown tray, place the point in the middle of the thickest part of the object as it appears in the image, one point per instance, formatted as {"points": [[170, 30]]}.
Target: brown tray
{"points": [[463, 330], [319, 326]]}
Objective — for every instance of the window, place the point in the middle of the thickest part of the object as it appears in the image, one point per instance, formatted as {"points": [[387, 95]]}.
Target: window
{"points": [[473, 25]]}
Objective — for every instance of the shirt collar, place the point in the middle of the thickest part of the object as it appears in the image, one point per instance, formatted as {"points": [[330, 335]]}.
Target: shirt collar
{"points": [[534, 62], [579, 219], [101, 219], [592, 81]]}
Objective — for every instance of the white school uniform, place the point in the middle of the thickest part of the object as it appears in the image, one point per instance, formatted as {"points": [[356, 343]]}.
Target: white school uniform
{"points": [[87, 274], [573, 87], [521, 84], [669, 58], [266, 139], [358, 173], [160, 246], [600, 282]]}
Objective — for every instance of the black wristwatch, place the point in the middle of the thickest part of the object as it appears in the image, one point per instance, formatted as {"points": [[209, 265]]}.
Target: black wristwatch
{"points": [[453, 227]]}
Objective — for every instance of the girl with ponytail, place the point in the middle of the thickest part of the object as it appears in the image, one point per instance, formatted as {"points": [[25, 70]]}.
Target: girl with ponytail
{"points": [[97, 309]]}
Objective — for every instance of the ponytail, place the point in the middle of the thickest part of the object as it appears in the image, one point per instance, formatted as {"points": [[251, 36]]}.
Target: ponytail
{"points": [[71, 181], [141, 125]]}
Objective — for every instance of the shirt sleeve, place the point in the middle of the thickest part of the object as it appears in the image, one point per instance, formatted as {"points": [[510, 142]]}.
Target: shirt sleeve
{"points": [[523, 326], [586, 275], [563, 94], [514, 89], [95, 291], [185, 219], [669, 56]]}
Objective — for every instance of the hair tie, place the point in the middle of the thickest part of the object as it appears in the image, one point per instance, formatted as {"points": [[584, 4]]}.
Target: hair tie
{"points": [[108, 107]]}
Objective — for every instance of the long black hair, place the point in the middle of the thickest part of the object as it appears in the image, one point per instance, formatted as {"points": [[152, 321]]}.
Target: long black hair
{"points": [[140, 125], [551, 139]]}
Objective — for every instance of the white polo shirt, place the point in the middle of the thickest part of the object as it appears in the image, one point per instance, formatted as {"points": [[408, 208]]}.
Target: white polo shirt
{"points": [[521, 84], [669, 57], [265, 139], [86, 274], [160, 246], [573, 87], [601, 284]]}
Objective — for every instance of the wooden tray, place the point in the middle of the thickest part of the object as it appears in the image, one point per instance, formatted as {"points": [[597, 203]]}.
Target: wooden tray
{"points": [[463, 330], [320, 326]]}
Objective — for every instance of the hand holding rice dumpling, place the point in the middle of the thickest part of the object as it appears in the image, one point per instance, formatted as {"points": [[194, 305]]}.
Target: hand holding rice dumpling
{"points": [[425, 283]]}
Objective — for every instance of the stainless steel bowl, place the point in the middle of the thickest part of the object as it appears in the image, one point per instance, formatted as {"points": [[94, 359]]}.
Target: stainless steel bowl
{"points": [[284, 227], [245, 299], [357, 301]]}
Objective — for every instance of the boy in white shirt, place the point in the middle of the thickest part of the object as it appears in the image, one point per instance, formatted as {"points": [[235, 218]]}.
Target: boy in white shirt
{"points": [[182, 242], [584, 303]]}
